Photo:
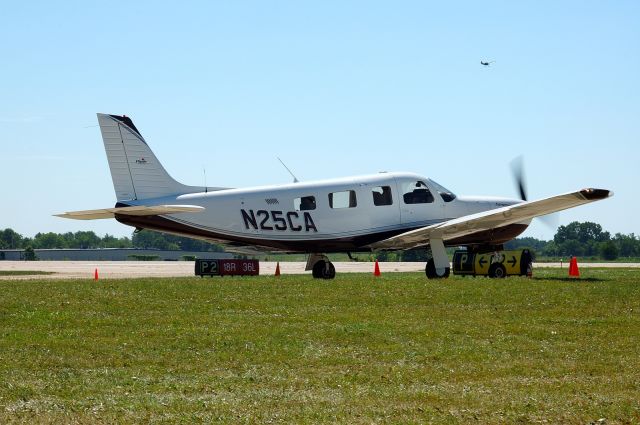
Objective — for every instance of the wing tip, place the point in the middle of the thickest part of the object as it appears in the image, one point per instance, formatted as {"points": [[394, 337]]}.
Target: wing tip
{"points": [[593, 194]]}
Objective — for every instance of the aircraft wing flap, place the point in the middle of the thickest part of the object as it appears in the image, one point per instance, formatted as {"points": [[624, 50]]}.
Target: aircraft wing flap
{"points": [[136, 210], [491, 219]]}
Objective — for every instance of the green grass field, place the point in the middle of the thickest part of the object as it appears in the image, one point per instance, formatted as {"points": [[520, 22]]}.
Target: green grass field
{"points": [[397, 349]]}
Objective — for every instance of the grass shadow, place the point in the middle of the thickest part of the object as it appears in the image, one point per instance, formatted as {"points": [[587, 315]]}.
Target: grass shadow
{"points": [[572, 279], [24, 273]]}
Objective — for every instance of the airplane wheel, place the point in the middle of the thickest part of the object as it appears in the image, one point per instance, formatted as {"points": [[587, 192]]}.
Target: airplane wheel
{"points": [[497, 271], [323, 270], [317, 270], [430, 271], [329, 272]]}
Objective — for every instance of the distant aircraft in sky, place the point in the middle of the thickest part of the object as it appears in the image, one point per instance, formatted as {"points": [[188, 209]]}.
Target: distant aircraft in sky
{"points": [[384, 211], [486, 63]]}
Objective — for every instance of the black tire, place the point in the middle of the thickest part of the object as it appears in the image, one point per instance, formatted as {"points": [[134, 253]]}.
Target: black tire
{"points": [[317, 269], [323, 270], [329, 271], [497, 271], [430, 271]]}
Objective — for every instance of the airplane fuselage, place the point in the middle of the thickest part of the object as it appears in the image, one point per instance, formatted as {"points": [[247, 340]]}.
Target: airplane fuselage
{"points": [[323, 216]]}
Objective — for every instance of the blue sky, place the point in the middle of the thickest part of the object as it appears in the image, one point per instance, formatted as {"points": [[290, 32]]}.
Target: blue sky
{"points": [[334, 88]]}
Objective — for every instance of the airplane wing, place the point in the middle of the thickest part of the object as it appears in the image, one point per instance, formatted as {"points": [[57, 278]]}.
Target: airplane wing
{"points": [[138, 210], [491, 219]]}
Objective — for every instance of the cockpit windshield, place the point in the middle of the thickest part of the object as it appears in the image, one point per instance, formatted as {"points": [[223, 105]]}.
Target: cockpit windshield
{"points": [[445, 194]]}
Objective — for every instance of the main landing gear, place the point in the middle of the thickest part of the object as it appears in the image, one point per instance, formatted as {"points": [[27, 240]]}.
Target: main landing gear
{"points": [[320, 266], [432, 273], [438, 267]]}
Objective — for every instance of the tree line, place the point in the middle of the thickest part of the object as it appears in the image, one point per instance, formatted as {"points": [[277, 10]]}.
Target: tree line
{"points": [[145, 239], [582, 239]]}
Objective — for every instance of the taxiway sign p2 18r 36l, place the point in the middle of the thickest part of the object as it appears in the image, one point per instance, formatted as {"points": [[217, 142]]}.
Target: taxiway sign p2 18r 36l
{"points": [[214, 267]]}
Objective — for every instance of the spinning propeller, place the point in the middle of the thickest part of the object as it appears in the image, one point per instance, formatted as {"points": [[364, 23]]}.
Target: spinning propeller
{"points": [[517, 170]]}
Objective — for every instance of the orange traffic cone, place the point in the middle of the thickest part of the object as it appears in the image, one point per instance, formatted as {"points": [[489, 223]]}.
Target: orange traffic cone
{"points": [[376, 269], [95, 274], [573, 267], [277, 269]]}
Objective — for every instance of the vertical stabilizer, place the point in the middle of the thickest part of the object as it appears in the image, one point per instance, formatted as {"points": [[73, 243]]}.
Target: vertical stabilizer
{"points": [[135, 170]]}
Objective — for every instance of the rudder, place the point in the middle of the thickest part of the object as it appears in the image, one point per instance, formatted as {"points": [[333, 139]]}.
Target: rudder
{"points": [[135, 170]]}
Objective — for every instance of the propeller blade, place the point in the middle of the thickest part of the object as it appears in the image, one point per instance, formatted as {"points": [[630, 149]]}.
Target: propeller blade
{"points": [[517, 169]]}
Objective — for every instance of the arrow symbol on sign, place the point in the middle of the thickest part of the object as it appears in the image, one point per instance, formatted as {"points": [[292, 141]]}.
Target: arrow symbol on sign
{"points": [[513, 261], [482, 261]]}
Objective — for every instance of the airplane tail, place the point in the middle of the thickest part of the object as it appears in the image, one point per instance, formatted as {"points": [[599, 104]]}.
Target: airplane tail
{"points": [[135, 170]]}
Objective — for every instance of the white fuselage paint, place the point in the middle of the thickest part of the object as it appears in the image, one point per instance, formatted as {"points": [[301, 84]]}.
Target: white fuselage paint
{"points": [[271, 213]]}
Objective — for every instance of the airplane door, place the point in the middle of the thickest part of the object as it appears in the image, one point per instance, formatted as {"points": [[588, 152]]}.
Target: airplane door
{"points": [[379, 205], [419, 204]]}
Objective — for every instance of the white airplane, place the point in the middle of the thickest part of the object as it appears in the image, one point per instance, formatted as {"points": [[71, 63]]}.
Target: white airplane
{"points": [[385, 211]]}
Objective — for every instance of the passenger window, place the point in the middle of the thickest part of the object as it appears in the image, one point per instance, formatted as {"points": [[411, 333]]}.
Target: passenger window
{"points": [[382, 195], [416, 193], [305, 203], [344, 199]]}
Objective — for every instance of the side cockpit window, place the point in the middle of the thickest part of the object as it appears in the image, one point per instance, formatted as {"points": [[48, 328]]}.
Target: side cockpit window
{"points": [[305, 203], [382, 195], [445, 194], [416, 193]]}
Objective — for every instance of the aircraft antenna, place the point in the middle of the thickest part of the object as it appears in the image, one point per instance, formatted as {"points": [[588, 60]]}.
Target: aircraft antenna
{"points": [[295, 179], [204, 171]]}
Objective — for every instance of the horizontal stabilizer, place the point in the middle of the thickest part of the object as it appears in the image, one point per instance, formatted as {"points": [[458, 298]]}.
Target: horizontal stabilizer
{"points": [[138, 210]]}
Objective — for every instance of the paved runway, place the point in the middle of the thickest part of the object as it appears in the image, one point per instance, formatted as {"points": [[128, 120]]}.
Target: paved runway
{"points": [[136, 269]]}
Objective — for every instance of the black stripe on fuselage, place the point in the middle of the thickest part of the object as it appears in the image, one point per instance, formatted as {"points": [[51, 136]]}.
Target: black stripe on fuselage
{"points": [[495, 236]]}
